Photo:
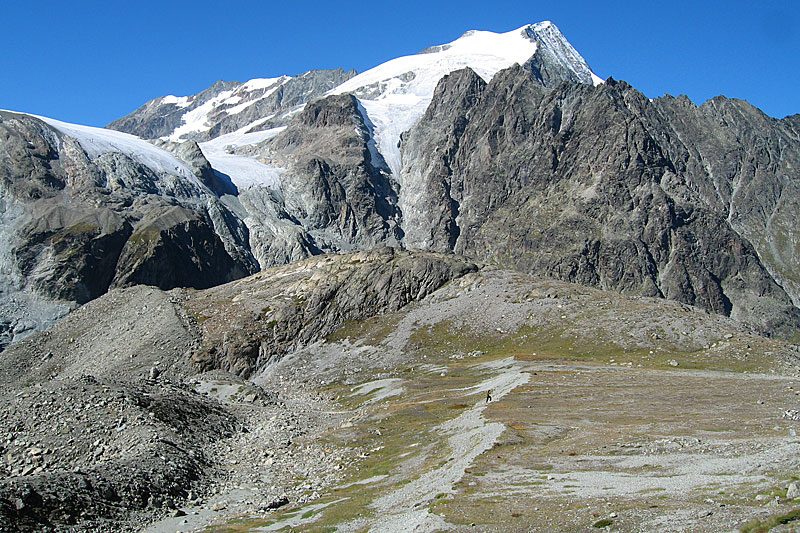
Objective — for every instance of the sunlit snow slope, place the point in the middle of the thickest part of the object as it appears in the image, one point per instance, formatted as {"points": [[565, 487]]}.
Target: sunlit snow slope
{"points": [[98, 141], [244, 171]]}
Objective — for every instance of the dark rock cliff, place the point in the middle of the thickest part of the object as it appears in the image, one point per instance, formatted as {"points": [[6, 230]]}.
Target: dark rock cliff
{"points": [[600, 186]]}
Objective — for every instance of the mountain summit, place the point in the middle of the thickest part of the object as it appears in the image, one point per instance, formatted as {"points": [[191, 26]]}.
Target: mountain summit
{"points": [[395, 94]]}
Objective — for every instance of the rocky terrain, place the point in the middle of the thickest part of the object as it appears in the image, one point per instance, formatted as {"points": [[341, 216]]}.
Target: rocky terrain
{"points": [[80, 219], [296, 397], [125, 405]]}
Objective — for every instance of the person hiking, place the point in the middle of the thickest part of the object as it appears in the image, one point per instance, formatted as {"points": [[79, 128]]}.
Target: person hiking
{"points": [[488, 395]]}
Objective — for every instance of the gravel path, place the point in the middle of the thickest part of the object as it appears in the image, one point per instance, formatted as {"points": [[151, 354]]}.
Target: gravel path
{"points": [[468, 436]]}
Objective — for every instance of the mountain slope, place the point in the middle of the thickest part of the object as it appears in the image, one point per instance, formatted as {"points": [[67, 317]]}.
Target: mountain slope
{"points": [[372, 402], [142, 441], [275, 178], [225, 107], [86, 209]]}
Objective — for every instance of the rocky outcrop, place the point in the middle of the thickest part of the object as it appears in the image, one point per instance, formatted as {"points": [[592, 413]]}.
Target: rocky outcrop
{"points": [[602, 187], [175, 248], [190, 153], [75, 226], [158, 118], [291, 306]]}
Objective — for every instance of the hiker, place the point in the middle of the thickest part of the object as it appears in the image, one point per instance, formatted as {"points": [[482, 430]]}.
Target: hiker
{"points": [[488, 395]]}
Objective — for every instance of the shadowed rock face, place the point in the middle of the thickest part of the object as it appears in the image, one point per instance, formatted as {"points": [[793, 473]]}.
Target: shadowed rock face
{"points": [[74, 227], [602, 187]]}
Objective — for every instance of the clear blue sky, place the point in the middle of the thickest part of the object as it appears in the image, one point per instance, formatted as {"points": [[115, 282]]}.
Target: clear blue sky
{"points": [[91, 63]]}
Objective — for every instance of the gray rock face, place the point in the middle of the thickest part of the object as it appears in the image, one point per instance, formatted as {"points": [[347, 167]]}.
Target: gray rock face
{"points": [[75, 227], [334, 196], [161, 117], [602, 187], [190, 153], [555, 60]]}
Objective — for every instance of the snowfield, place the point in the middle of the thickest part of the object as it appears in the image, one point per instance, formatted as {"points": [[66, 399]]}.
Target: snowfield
{"points": [[244, 172]]}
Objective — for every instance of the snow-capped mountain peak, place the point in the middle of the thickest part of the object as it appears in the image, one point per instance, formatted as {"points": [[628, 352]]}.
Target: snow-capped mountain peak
{"points": [[563, 52], [395, 94]]}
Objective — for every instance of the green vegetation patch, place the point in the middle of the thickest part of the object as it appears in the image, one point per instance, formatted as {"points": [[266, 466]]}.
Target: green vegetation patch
{"points": [[144, 235]]}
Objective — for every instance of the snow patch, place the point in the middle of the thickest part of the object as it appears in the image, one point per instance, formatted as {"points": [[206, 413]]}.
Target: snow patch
{"points": [[386, 388], [264, 83], [195, 120], [180, 101], [244, 171], [240, 98], [244, 105]]}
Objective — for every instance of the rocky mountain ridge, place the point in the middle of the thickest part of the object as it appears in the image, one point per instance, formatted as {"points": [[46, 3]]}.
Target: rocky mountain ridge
{"points": [[78, 222], [225, 107], [601, 186]]}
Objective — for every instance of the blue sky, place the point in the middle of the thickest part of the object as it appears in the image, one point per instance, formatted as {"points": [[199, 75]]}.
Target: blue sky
{"points": [[91, 63]]}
